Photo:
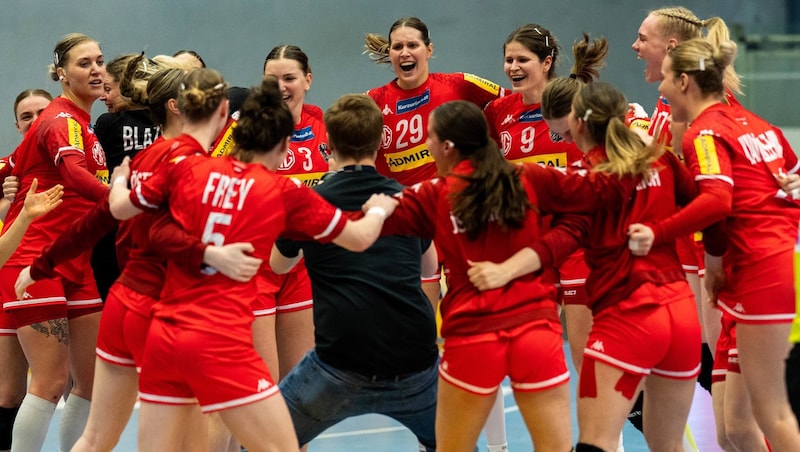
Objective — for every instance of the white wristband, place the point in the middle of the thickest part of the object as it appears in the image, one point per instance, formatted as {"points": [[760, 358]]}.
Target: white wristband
{"points": [[377, 210], [120, 180]]}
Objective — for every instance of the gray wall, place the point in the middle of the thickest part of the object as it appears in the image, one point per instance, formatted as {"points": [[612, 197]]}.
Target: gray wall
{"points": [[234, 36]]}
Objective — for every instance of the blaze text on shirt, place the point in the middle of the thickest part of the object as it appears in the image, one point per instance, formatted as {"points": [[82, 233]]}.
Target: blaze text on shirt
{"points": [[226, 192]]}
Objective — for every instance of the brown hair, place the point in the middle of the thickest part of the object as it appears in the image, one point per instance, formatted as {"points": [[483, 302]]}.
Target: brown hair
{"points": [[201, 92], [377, 46], [290, 52], [589, 59], [355, 126], [538, 40], [494, 191], [30, 93]]}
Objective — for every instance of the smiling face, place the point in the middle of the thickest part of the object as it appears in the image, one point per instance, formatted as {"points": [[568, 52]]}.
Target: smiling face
{"points": [[651, 46], [524, 69], [409, 56], [28, 109], [292, 80], [83, 72], [111, 95]]}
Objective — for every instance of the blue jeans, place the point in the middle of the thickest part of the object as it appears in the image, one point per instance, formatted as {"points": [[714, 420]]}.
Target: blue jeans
{"points": [[320, 396]]}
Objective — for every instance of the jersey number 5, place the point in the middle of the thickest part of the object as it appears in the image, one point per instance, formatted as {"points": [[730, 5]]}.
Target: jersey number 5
{"points": [[211, 236]]}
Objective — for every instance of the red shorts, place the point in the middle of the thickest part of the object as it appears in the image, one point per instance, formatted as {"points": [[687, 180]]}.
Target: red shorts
{"points": [[184, 367], [267, 288], [48, 299], [761, 292], [122, 331], [655, 330], [532, 355], [573, 273], [687, 254], [726, 357], [295, 290]]}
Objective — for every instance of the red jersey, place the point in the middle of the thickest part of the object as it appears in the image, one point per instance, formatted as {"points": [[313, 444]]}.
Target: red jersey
{"points": [[660, 120], [403, 154], [424, 212], [144, 268], [615, 203], [226, 201], [61, 129], [524, 136], [734, 148], [305, 160]]}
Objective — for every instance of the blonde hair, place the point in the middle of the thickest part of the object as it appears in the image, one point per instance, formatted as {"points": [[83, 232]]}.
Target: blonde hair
{"points": [[602, 108], [201, 91], [682, 24], [61, 51], [705, 62], [138, 70]]}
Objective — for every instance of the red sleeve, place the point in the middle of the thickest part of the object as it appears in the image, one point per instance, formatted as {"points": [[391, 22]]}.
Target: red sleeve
{"points": [[416, 214], [76, 176], [711, 205], [83, 234], [171, 241], [715, 239], [685, 185], [566, 234], [309, 215], [789, 155]]}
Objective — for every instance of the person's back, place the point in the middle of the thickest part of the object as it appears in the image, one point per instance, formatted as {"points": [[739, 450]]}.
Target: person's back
{"points": [[370, 313]]}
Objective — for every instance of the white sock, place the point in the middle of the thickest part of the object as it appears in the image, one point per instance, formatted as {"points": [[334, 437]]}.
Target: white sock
{"points": [[495, 428], [30, 426], [620, 447], [73, 421]]}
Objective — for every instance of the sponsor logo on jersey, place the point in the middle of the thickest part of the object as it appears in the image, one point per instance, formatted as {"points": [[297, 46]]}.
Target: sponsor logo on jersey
{"points": [[706, 154], [75, 134], [225, 144], [304, 134], [505, 141], [102, 176], [598, 346], [63, 114], [509, 119], [387, 110], [98, 155], [386, 138], [531, 116], [557, 160], [308, 179], [2, 164], [411, 104], [289, 161], [408, 159], [493, 88]]}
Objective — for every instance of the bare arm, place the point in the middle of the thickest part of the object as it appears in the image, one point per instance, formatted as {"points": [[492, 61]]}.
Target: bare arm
{"points": [[36, 205]]}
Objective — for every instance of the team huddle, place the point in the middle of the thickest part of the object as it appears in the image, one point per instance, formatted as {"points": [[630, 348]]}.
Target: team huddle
{"points": [[254, 270]]}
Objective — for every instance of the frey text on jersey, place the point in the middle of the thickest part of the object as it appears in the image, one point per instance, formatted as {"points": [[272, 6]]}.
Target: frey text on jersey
{"points": [[221, 190]]}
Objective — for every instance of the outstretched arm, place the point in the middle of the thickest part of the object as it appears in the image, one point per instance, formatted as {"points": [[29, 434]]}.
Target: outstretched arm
{"points": [[36, 205]]}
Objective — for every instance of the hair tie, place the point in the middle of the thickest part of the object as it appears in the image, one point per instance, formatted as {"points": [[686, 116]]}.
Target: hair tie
{"points": [[537, 30], [587, 114], [55, 58], [546, 41], [573, 76], [702, 64]]}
